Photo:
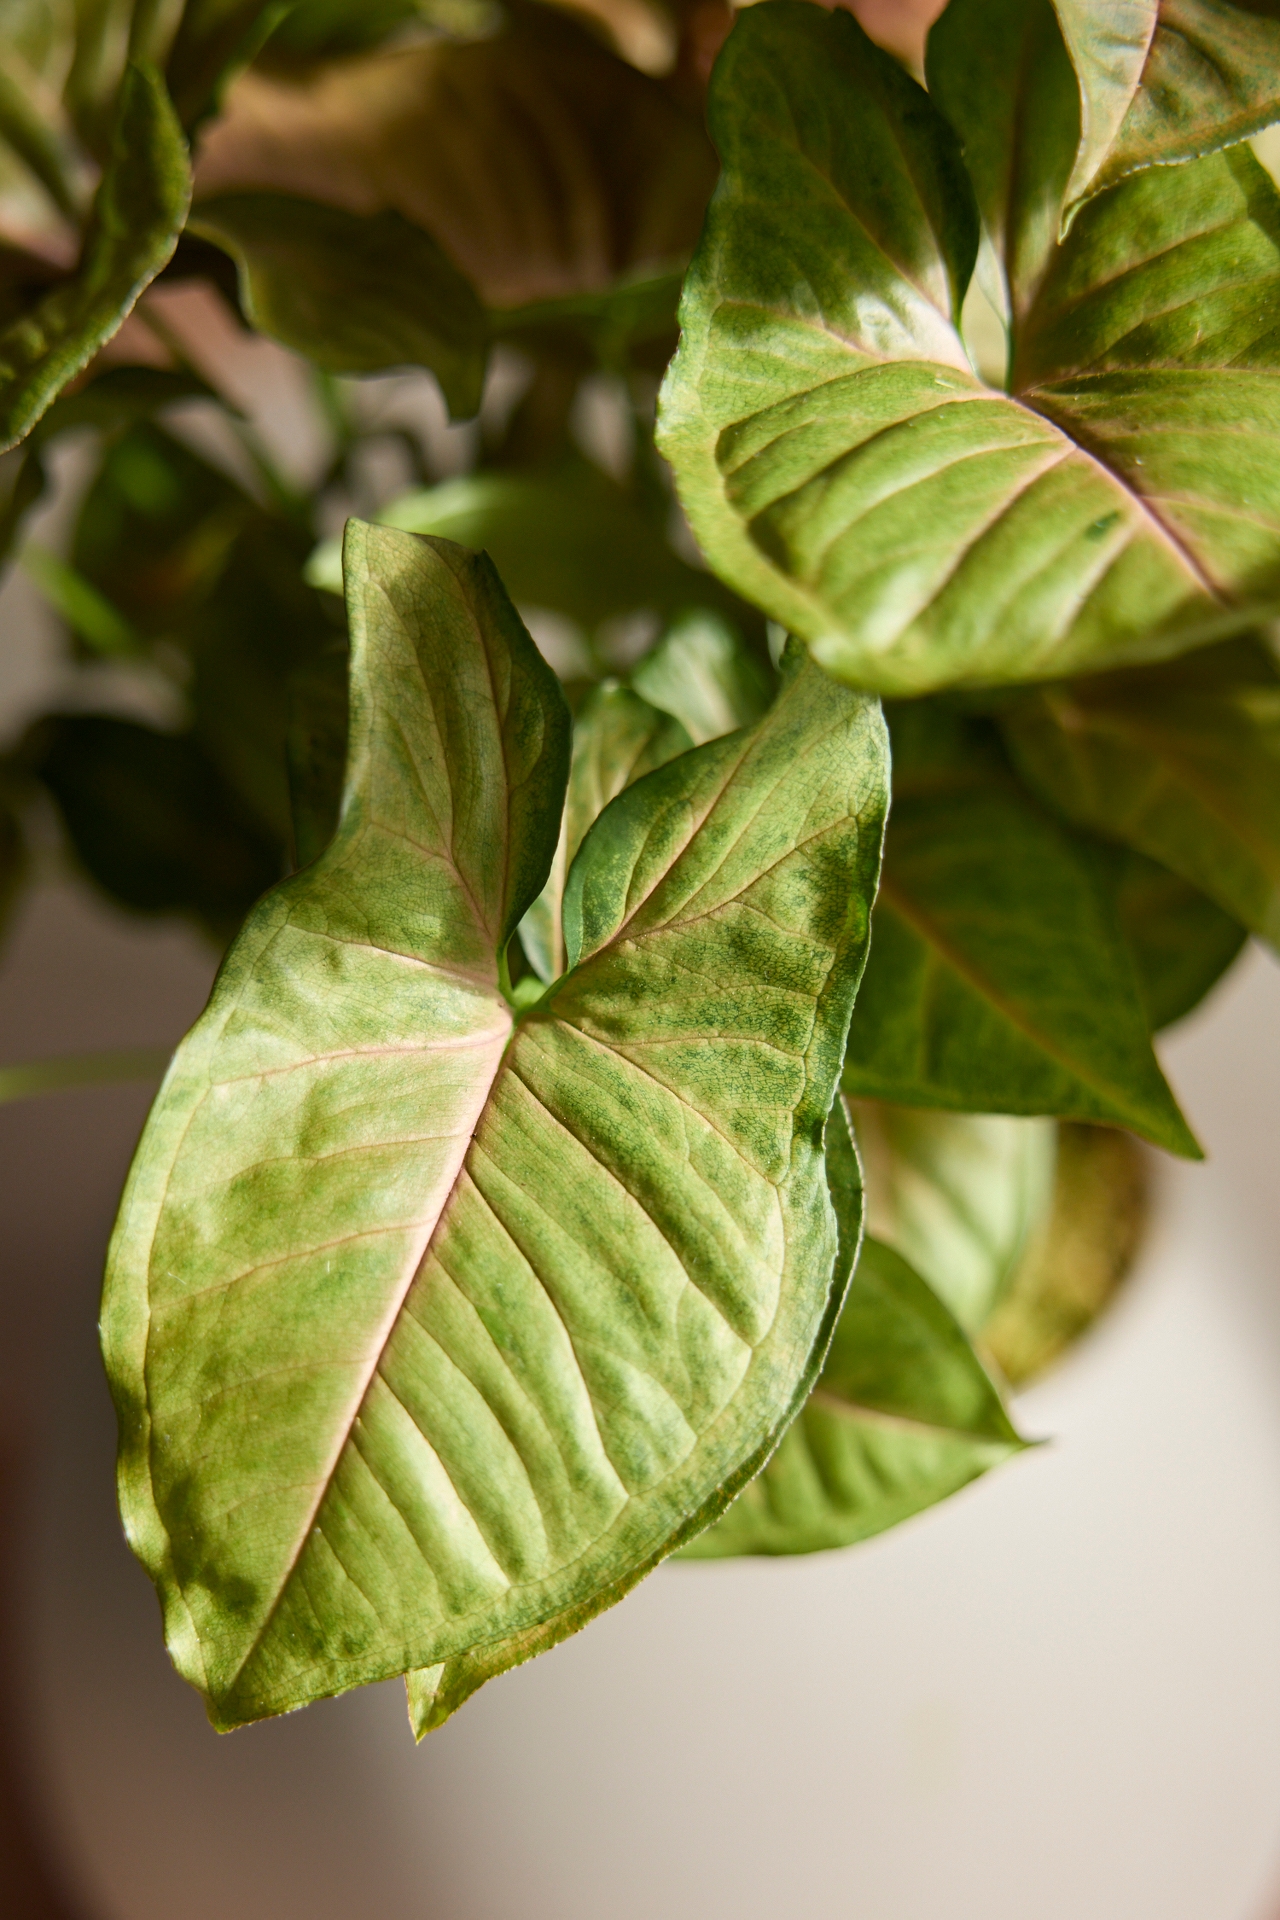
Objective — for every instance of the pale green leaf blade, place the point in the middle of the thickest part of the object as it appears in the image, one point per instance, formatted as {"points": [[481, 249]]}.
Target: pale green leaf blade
{"points": [[701, 672], [1083, 1248], [1182, 765], [617, 738], [956, 1194], [844, 469], [137, 216], [1109, 46], [354, 293], [1165, 81], [903, 1415], [999, 979], [390, 1398]]}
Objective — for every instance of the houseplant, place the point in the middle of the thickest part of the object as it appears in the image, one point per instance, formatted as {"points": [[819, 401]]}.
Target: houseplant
{"points": [[1056, 573]]}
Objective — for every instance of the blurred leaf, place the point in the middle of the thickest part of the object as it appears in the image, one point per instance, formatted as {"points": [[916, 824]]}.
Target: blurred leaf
{"points": [[88, 613], [1083, 1249], [355, 293], [110, 401], [325, 29], [259, 627], [615, 324], [999, 978], [316, 751], [565, 538], [702, 672], [1189, 775], [214, 40], [617, 739], [1182, 942], [543, 165], [843, 467], [108, 1068], [13, 863], [155, 527], [956, 1194], [903, 1415], [137, 215], [151, 821], [33, 122], [1168, 80]]}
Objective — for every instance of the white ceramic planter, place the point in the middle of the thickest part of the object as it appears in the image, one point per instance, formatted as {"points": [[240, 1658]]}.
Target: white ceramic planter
{"points": [[1056, 1696]]}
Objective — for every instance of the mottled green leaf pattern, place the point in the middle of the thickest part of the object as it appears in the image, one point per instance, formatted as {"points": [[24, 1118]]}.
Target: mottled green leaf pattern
{"points": [[844, 467], [428, 1333]]}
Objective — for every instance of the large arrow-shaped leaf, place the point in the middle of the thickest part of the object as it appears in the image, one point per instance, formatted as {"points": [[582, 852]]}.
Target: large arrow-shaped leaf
{"points": [[427, 1333], [844, 467]]}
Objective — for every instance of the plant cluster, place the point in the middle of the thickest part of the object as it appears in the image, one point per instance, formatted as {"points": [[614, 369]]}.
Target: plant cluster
{"points": [[498, 1230]]}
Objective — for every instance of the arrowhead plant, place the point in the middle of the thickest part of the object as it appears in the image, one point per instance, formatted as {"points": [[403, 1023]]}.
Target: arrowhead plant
{"points": [[687, 1007]]}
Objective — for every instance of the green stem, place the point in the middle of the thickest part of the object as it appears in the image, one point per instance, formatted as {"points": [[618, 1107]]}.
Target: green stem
{"points": [[82, 1070]]}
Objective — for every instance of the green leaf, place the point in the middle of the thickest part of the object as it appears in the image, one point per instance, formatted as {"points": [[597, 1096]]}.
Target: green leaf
{"points": [[565, 538], [137, 216], [402, 1317], [999, 979], [436, 1692], [355, 293], [999, 72], [34, 125], [1168, 80], [902, 1416], [617, 739], [151, 821], [1181, 941], [89, 614], [214, 39], [1084, 1246], [701, 672], [956, 1194], [1189, 774], [844, 468], [316, 751], [107, 1068]]}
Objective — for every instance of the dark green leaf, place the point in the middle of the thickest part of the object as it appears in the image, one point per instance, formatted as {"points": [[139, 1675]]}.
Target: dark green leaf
{"points": [[89, 614], [214, 39], [844, 468], [617, 739], [155, 528], [13, 863], [1187, 774], [1181, 941], [355, 293], [402, 1317], [151, 821], [137, 216], [1168, 80], [1084, 1247], [999, 978]]}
